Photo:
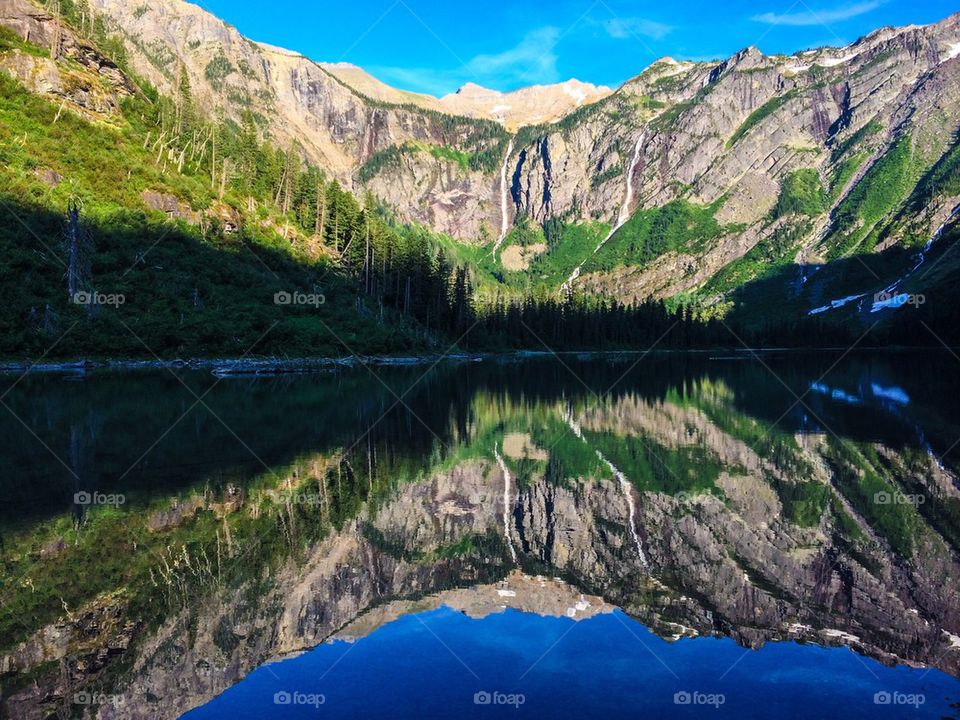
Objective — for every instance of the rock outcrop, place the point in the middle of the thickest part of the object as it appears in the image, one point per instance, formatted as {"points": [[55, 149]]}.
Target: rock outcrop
{"points": [[94, 86]]}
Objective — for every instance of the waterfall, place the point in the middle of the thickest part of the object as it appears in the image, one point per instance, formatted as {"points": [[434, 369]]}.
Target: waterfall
{"points": [[631, 505], [622, 216], [507, 503], [624, 485], [504, 204], [628, 199]]}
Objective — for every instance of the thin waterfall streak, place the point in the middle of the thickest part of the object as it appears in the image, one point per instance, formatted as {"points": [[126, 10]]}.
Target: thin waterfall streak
{"points": [[504, 204], [622, 216], [628, 199], [507, 503], [624, 485], [631, 505]]}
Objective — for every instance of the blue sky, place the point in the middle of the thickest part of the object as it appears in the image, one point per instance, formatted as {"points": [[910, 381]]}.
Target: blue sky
{"points": [[435, 46]]}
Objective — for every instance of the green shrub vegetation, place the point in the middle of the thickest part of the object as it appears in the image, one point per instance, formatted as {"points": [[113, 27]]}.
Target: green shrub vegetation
{"points": [[942, 180], [884, 186], [9, 40], [859, 478], [759, 115], [218, 70], [803, 503], [391, 157], [762, 260], [653, 467], [844, 172], [855, 140], [802, 193], [614, 171], [677, 226], [197, 288]]}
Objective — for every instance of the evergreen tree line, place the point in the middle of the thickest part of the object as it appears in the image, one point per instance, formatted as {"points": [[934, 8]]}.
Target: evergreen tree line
{"points": [[582, 322], [594, 323]]}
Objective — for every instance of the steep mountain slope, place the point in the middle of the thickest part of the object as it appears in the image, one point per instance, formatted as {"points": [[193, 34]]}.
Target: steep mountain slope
{"points": [[526, 106], [369, 86], [735, 138], [133, 226], [295, 100], [744, 186], [709, 174]]}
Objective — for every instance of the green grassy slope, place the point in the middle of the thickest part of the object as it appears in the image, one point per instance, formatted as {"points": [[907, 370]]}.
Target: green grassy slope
{"points": [[189, 288]]}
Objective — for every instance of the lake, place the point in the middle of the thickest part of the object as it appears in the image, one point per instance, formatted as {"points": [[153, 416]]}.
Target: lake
{"points": [[727, 534]]}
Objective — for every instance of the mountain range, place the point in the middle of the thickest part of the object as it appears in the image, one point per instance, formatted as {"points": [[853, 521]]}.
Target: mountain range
{"points": [[760, 187]]}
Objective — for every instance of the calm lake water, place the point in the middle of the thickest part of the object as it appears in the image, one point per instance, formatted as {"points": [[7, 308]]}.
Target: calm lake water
{"points": [[577, 537]]}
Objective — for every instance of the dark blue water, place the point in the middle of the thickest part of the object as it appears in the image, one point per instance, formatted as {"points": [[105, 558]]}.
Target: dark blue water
{"points": [[443, 664]]}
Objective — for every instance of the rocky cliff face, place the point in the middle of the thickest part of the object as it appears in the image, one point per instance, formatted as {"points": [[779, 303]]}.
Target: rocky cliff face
{"points": [[93, 85], [725, 135], [733, 132], [295, 100]]}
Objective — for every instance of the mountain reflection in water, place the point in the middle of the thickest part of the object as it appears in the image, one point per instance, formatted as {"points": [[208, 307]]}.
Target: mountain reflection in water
{"points": [[667, 514]]}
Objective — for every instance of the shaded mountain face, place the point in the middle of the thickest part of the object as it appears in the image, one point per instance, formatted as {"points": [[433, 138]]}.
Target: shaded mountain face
{"points": [[697, 496]]}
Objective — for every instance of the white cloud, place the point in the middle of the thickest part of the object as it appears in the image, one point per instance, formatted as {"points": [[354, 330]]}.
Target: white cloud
{"points": [[532, 60], [625, 28], [422, 80], [819, 17]]}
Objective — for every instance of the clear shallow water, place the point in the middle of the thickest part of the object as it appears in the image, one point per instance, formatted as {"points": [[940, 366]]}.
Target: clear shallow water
{"points": [[443, 664], [165, 535]]}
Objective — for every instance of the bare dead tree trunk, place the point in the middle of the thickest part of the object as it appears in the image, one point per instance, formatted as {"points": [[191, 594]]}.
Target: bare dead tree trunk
{"points": [[224, 164], [78, 248], [213, 161], [283, 179], [366, 259], [322, 191], [178, 99], [56, 32]]}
